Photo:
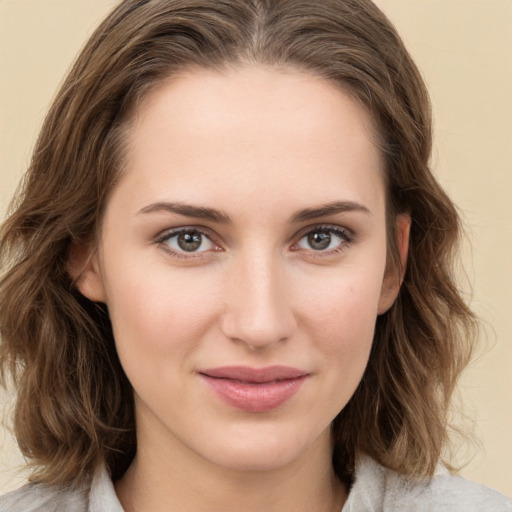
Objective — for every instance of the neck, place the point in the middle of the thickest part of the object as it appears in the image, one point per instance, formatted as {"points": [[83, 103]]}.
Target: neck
{"points": [[174, 478]]}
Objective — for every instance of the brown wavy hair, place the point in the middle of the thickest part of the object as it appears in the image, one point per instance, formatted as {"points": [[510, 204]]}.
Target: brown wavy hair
{"points": [[74, 408]]}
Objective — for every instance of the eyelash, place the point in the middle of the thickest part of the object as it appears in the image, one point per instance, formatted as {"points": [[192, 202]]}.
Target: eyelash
{"points": [[344, 234]]}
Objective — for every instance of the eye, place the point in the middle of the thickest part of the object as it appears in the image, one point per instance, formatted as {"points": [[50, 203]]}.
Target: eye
{"points": [[324, 239], [186, 241]]}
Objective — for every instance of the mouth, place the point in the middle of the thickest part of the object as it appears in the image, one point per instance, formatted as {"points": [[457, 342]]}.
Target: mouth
{"points": [[254, 389]]}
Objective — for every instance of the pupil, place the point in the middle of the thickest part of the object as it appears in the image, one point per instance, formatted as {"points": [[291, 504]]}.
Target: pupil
{"points": [[319, 240], [189, 241]]}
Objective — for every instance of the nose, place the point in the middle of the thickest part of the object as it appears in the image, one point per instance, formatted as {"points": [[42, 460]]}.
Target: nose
{"points": [[258, 308]]}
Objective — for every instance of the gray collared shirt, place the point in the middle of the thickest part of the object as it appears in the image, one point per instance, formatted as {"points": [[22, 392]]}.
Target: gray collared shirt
{"points": [[376, 489]]}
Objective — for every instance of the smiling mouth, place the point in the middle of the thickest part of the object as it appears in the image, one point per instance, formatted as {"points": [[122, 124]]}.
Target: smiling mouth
{"points": [[254, 389]]}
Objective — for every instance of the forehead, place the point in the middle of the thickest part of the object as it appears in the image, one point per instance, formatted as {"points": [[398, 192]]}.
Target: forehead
{"points": [[252, 128], [228, 98]]}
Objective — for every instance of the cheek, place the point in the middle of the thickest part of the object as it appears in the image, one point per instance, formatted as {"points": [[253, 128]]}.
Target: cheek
{"points": [[346, 304], [341, 322], [346, 329], [157, 314]]}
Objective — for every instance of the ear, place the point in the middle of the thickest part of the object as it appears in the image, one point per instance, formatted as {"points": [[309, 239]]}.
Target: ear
{"points": [[83, 268], [393, 278]]}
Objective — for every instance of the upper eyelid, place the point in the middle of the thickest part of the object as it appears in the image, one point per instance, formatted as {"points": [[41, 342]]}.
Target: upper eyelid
{"points": [[325, 227], [170, 232], [208, 232]]}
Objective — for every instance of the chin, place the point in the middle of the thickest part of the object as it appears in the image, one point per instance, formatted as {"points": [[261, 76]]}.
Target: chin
{"points": [[255, 459], [262, 451]]}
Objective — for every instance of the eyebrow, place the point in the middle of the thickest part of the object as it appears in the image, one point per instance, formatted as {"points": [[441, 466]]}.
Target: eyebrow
{"points": [[187, 210], [330, 209], [218, 216]]}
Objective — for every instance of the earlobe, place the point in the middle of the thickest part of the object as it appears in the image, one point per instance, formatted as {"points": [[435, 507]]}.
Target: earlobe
{"points": [[84, 270], [394, 277]]}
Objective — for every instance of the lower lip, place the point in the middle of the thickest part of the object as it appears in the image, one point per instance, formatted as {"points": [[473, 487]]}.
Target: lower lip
{"points": [[255, 397]]}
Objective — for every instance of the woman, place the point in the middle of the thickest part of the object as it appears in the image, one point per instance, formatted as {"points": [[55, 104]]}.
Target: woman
{"points": [[228, 276]]}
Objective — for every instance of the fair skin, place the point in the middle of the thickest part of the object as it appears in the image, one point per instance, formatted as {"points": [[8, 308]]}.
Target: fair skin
{"points": [[277, 182]]}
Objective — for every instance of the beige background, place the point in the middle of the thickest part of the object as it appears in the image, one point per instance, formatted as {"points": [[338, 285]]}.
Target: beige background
{"points": [[464, 49]]}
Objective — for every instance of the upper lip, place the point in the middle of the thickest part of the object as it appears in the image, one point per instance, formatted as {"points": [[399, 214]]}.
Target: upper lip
{"points": [[256, 375]]}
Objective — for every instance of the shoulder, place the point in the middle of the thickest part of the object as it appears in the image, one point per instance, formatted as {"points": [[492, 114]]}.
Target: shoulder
{"points": [[45, 498], [96, 495], [378, 489]]}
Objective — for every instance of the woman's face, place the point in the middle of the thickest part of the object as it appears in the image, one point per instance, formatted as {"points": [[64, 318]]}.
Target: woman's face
{"points": [[243, 261]]}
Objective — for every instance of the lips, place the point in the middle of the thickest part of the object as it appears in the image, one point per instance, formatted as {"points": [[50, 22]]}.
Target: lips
{"points": [[254, 389]]}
